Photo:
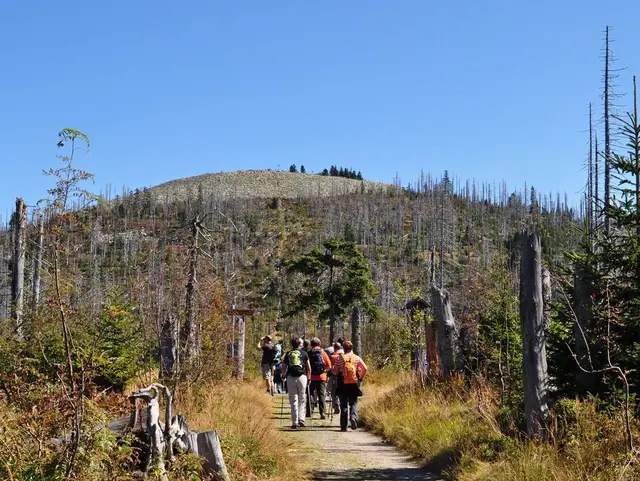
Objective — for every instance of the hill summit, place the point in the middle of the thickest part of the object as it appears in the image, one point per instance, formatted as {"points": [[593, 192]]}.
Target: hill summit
{"points": [[262, 184]]}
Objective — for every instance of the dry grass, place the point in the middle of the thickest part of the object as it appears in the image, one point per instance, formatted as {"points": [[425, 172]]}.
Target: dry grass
{"points": [[242, 414], [454, 431]]}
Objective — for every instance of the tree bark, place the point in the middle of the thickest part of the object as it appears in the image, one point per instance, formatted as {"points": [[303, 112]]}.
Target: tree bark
{"points": [[356, 335], [446, 331], [582, 289], [37, 265], [17, 284], [188, 334], [208, 448], [169, 348], [534, 358]]}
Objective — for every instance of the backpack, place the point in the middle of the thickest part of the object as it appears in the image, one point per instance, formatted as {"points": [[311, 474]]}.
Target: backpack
{"points": [[278, 353], [317, 363], [295, 363], [349, 371]]}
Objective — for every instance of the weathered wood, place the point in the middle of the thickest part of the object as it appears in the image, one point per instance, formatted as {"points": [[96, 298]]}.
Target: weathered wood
{"points": [[37, 263], [240, 334], [583, 308], [188, 334], [356, 334], [169, 347], [446, 331], [534, 358], [208, 444], [546, 298], [17, 277]]}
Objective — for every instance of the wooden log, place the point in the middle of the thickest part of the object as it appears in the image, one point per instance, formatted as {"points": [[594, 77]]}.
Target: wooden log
{"points": [[169, 347], [534, 357]]}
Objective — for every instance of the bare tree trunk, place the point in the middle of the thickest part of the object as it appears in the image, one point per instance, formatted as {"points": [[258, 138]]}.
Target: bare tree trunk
{"points": [[534, 357], [607, 133], [356, 335], [17, 285], [188, 334], [582, 289], [37, 265], [208, 447], [240, 332], [446, 331], [169, 347]]}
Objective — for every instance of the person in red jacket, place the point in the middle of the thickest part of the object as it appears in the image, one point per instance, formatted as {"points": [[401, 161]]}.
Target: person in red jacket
{"points": [[320, 365], [350, 370]]}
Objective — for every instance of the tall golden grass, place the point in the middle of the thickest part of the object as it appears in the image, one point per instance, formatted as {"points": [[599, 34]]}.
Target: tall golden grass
{"points": [[242, 413], [454, 430]]}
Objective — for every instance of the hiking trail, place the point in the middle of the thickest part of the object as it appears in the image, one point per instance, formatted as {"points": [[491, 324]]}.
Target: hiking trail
{"points": [[357, 455]]}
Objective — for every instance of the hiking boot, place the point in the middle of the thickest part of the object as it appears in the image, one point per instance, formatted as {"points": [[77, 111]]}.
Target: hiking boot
{"points": [[343, 430], [354, 424], [336, 411], [294, 426], [301, 424], [322, 416]]}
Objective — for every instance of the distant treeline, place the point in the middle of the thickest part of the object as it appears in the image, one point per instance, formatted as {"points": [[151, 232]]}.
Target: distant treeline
{"points": [[342, 172]]}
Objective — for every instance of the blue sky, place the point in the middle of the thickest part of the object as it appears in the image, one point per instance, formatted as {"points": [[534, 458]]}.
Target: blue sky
{"points": [[493, 90]]}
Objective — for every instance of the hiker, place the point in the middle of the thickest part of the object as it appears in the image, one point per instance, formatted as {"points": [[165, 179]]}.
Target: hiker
{"points": [[333, 379], [329, 349], [296, 364], [306, 345], [350, 370], [320, 365], [278, 378], [267, 364]]}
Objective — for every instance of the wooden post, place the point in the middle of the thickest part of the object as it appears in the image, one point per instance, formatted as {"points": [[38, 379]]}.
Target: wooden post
{"points": [[209, 449], [356, 334], [239, 359], [17, 278], [534, 357]]}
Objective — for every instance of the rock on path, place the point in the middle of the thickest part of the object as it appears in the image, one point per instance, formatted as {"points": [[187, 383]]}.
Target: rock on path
{"points": [[354, 456]]}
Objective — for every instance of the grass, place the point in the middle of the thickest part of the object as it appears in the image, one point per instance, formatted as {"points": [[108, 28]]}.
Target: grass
{"points": [[242, 414], [454, 431]]}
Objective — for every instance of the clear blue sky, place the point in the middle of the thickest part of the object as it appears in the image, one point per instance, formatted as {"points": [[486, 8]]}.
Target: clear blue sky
{"points": [[489, 90]]}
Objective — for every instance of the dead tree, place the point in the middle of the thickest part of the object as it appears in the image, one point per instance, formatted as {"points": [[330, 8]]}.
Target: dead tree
{"points": [[188, 333], [534, 357], [37, 263], [169, 347], [416, 309], [356, 334], [163, 441], [17, 278], [583, 309]]}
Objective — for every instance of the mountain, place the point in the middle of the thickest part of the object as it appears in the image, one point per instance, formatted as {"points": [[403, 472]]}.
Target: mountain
{"points": [[261, 184]]}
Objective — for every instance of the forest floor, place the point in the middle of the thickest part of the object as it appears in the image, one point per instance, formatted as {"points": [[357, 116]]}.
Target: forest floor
{"points": [[331, 455]]}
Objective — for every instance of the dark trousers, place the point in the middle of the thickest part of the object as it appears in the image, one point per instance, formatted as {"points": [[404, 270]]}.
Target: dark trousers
{"points": [[319, 394], [348, 400]]}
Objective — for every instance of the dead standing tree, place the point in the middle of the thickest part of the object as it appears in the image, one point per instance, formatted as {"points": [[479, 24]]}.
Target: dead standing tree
{"points": [[532, 317], [447, 332], [17, 278]]}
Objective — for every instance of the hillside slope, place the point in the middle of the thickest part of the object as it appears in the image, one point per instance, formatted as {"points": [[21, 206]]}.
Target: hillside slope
{"points": [[261, 184]]}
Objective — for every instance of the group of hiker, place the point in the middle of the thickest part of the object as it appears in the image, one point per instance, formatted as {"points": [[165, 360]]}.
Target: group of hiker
{"points": [[307, 372]]}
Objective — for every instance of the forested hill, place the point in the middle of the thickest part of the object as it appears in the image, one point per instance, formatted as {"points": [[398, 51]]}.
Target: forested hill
{"points": [[252, 220], [261, 184]]}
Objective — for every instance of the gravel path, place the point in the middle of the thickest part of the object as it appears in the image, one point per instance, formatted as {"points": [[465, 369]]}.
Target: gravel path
{"points": [[355, 455]]}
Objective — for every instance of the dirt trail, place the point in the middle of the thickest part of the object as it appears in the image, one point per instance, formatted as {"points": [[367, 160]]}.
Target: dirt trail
{"points": [[355, 455]]}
